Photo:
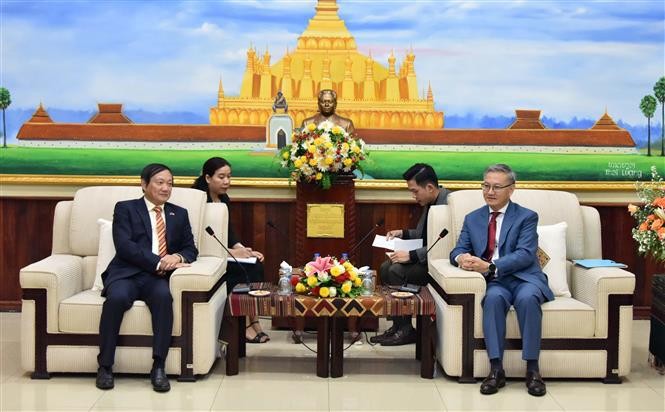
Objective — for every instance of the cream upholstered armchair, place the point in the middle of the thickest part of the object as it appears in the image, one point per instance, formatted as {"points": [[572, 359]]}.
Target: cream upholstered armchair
{"points": [[586, 329], [61, 308]]}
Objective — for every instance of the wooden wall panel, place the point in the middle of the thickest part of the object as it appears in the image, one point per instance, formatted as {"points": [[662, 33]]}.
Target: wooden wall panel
{"points": [[26, 228]]}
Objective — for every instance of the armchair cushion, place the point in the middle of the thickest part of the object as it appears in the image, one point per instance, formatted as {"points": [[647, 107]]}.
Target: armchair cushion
{"points": [[552, 240], [105, 253]]}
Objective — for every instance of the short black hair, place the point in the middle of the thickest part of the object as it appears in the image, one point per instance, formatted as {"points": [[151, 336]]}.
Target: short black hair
{"points": [[152, 169], [423, 174]]}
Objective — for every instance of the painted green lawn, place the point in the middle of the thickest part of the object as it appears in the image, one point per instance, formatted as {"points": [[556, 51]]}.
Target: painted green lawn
{"points": [[381, 164]]}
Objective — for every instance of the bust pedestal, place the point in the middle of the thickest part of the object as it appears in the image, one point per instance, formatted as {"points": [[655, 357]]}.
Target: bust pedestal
{"points": [[341, 192]]}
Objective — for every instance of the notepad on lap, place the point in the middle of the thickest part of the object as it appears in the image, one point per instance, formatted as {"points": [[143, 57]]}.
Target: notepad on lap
{"points": [[251, 260], [599, 263]]}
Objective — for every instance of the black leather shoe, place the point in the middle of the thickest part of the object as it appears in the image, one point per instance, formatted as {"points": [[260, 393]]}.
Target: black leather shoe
{"points": [[160, 383], [390, 332], [401, 337], [535, 384], [495, 380], [104, 378]]}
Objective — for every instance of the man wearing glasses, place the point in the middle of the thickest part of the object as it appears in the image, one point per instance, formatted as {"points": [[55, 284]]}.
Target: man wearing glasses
{"points": [[500, 241]]}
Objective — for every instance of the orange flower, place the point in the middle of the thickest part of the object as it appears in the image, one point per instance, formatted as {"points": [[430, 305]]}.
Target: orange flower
{"points": [[651, 217], [659, 201], [661, 233], [643, 227], [657, 224]]}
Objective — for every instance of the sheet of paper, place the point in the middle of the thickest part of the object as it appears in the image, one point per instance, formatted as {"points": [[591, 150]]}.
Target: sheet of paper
{"points": [[597, 263], [251, 260], [397, 243]]}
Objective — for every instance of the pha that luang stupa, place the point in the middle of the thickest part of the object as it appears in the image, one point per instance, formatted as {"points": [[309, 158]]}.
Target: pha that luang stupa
{"points": [[326, 57]]}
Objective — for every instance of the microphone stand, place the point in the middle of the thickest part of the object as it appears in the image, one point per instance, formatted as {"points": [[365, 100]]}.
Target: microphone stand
{"points": [[240, 287], [372, 230], [406, 287]]}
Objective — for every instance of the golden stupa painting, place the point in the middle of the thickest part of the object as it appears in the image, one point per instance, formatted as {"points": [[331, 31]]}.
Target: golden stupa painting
{"points": [[326, 57]]}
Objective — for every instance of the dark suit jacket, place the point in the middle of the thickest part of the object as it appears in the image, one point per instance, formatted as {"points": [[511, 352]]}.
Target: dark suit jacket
{"points": [[518, 243], [420, 232], [132, 237]]}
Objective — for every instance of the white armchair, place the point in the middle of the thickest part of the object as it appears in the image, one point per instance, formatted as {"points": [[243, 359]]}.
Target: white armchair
{"points": [[60, 311], [587, 335]]}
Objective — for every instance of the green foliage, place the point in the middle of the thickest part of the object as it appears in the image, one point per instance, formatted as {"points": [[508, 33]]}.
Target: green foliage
{"points": [[659, 90], [5, 98], [648, 106]]}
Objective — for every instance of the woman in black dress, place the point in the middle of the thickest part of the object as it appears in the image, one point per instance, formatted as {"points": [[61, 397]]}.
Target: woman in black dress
{"points": [[215, 180]]}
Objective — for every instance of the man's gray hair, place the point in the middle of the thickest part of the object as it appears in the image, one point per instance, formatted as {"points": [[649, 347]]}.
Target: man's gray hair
{"points": [[501, 168]]}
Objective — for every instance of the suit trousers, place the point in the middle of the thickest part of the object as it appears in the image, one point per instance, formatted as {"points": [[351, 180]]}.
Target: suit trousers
{"points": [[120, 296], [527, 299], [393, 274]]}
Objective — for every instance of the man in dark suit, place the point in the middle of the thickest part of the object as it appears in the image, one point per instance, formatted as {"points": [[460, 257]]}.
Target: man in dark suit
{"points": [[411, 266], [152, 238], [500, 241]]}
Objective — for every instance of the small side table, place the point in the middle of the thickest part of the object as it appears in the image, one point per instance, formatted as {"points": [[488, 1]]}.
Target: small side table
{"points": [[657, 334]]}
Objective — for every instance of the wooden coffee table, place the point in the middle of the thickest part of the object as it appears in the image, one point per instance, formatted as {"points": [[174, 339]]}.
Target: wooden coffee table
{"points": [[330, 315]]}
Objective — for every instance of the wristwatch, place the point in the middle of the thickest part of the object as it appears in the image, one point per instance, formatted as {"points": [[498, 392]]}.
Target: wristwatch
{"points": [[492, 269]]}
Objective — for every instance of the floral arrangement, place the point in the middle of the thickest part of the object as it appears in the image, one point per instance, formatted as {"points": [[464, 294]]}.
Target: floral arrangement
{"points": [[328, 277], [650, 218], [318, 153]]}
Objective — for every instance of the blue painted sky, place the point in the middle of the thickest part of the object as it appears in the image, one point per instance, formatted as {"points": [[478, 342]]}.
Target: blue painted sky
{"points": [[568, 58]]}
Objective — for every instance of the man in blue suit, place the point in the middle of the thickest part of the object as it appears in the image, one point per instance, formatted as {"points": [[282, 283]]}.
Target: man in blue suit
{"points": [[500, 241], [152, 238]]}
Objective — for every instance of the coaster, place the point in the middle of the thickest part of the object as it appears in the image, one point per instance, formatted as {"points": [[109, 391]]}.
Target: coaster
{"points": [[399, 294], [259, 293]]}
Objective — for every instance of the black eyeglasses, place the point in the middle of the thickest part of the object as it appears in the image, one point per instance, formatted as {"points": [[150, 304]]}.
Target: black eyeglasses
{"points": [[496, 188]]}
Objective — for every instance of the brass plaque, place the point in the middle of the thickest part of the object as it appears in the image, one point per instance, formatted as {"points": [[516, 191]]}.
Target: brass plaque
{"points": [[325, 220]]}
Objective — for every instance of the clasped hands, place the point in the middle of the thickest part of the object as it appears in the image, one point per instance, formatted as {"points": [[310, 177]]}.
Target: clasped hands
{"points": [[469, 262], [169, 263]]}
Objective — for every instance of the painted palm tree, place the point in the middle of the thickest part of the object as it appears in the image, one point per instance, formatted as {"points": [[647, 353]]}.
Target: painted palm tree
{"points": [[648, 106], [659, 91], [5, 101]]}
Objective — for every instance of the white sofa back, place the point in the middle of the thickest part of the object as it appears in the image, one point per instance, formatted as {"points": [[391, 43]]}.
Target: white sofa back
{"points": [[582, 235], [76, 232]]}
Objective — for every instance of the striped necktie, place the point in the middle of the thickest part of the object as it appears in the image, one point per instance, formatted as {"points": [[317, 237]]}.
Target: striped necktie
{"points": [[161, 231]]}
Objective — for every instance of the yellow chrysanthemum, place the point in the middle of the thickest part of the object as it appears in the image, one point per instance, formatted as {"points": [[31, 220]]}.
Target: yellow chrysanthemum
{"points": [[311, 149], [303, 159], [300, 288], [329, 160], [347, 265], [353, 275], [357, 281], [346, 287], [348, 162], [328, 145], [319, 176], [312, 281], [311, 127], [297, 163], [312, 162], [318, 141], [324, 292], [337, 270], [285, 155], [356, 149], [345, 146], [337, 130]]}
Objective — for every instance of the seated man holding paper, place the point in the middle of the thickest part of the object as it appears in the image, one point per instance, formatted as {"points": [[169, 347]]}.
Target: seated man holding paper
{"points": [[410, 266]]}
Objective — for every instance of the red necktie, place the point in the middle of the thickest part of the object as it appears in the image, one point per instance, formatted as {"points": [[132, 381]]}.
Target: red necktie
{"points": [[491, 237], [161, 231]]}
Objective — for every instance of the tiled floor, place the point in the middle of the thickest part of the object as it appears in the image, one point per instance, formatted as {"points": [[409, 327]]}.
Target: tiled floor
{"points": [[281, 376]]}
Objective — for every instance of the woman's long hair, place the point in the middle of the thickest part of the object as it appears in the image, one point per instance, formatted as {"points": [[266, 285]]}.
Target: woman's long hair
{"points": [[209, 168]]}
